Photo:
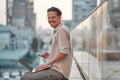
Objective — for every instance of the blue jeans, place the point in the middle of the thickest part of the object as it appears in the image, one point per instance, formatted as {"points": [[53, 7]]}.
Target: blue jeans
{"points": [[48, 74]]}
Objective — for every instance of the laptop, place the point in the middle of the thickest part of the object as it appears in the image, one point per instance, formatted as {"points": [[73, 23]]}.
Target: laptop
{"points": [[30, 68], [26, 65]]}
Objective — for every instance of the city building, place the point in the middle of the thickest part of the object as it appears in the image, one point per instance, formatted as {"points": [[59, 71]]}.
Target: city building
{"points": [[80, 9]]}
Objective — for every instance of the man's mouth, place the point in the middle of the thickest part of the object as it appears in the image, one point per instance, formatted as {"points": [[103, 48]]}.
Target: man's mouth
{"points": [[51, 23]]}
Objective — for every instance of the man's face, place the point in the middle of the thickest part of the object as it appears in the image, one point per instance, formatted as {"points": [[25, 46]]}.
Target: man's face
{"points": [[53, 19]]}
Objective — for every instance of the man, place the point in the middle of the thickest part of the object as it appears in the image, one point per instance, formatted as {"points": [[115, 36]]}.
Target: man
{"points": [[60, 56]]}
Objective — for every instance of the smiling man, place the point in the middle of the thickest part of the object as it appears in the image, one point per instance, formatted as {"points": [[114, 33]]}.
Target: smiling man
{"points": [[59, 62]]}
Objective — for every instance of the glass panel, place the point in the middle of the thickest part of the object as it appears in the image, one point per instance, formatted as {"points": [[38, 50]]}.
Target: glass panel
{"points": [[96, 39]]}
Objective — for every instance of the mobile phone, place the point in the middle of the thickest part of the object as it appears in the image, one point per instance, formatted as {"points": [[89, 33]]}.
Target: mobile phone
{"points": [[38, 53]]}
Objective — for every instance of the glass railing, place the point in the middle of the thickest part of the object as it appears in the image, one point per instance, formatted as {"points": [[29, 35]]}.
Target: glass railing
{"points": [[97, 40]]}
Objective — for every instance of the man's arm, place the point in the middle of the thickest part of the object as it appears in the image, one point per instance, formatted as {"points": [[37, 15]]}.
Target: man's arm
{"points": [[55, 59]]}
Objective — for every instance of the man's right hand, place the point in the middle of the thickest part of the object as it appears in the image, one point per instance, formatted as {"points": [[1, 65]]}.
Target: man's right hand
{"points": [[44, 54]]}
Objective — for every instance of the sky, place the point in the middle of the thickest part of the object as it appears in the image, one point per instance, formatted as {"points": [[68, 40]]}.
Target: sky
{"points": [[2, 12], [40, 9], [41, 6]]}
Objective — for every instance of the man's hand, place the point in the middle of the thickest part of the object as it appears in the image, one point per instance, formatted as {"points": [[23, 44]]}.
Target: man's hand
{"points": [[44, 55], [42, 66]]}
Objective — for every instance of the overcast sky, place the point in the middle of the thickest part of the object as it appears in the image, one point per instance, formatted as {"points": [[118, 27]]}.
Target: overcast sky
{"points": [[2, 12], [41, 7]]}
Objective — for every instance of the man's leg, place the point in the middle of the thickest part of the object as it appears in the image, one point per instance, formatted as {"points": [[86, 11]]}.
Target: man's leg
{"points": [[48, 74]]}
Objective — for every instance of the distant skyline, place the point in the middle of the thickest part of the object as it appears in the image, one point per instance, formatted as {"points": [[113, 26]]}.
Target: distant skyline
{"points": [[41, 6], [40, 9]]}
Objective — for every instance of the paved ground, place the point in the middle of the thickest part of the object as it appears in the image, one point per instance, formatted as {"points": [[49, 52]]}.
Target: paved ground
{"points": [[91, 68], [75, 74]]}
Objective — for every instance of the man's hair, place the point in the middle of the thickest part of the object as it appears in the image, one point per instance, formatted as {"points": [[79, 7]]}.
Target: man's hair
{"points": [[59, 13]]}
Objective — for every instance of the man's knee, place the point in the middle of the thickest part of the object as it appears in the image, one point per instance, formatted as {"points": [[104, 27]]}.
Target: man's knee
{"points": [[25, 76]]}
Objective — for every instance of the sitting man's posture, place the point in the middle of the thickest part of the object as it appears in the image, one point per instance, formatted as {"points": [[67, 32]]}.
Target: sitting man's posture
{"points": [[60, 56]]}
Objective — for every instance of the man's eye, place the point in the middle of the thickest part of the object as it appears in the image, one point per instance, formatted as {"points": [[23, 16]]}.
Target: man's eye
{"points": [[51, 17]]}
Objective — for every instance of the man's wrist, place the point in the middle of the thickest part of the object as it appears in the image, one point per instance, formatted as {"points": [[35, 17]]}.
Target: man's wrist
{"points": [[48, 63]]}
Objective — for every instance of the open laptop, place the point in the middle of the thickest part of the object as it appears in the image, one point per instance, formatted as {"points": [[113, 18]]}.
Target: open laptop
{"points": [[26, 65], [30, 68]]}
